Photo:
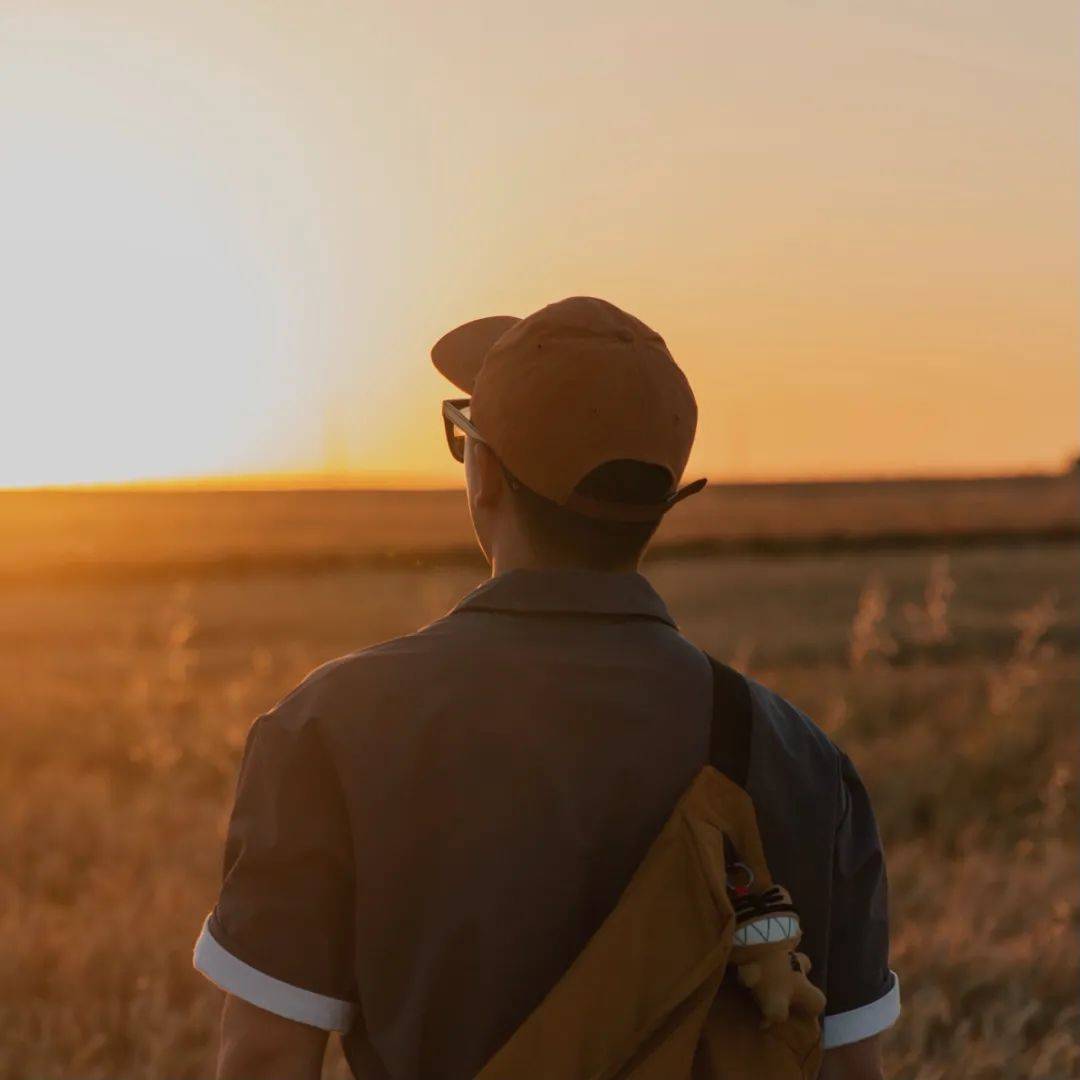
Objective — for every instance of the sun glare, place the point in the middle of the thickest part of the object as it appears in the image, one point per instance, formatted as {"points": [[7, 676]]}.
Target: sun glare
{"points": [[147, 331]]}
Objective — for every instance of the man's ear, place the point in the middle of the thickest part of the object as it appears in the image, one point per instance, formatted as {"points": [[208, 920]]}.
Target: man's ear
{"points": [[487, 484]]}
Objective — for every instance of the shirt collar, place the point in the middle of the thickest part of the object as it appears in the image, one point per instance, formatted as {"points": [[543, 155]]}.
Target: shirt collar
{"points": [[568, 592]]}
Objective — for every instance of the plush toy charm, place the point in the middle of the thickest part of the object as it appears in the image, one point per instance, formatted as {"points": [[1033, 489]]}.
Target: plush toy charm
{"points": [[767, 933]]}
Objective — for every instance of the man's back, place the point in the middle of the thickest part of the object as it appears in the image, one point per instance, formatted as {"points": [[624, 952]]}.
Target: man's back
{"points": [[444, 820]]}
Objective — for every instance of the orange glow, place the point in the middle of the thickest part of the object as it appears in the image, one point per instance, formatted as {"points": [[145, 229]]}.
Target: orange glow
{"points": [[231, 232]]}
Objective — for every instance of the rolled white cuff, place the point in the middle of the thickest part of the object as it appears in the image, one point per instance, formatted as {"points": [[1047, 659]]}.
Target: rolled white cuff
{"points": [[857, 1024], [281, 998]]}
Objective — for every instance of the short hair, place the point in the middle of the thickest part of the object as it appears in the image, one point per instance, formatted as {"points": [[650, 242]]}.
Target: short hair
{"points": [[592, 543]]}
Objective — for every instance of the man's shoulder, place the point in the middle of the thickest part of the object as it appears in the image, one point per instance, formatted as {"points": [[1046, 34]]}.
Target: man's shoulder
{"points": [[356, 676], [787, 737]]}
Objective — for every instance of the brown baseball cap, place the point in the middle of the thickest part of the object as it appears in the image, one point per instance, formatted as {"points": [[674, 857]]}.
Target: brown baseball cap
{"points": [[573, 386]]}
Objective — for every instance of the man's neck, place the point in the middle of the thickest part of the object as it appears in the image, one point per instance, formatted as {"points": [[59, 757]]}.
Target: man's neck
{"points": [[512, 549]]}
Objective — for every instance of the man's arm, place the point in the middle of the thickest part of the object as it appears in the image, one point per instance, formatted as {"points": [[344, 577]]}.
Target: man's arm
{"points": [[863, 994], [278, 939], [258, 1045], [855, 1061]]}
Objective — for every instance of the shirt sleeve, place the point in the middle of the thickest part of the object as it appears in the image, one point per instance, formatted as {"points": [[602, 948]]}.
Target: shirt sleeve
{"points": [[280, 936], [863, 994]]}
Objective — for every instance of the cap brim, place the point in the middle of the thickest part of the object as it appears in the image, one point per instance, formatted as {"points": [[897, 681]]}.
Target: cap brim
{"points": [[460, 353]]}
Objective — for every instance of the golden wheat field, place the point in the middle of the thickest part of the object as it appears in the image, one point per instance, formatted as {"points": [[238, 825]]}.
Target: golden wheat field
{"points": [[950, 673]]}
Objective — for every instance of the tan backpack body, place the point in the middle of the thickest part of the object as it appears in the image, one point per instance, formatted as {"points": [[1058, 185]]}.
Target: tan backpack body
{"points": [[647, 998]]}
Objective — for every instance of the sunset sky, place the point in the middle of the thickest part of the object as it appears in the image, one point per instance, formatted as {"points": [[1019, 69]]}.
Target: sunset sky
{"points": [[229, 233]]}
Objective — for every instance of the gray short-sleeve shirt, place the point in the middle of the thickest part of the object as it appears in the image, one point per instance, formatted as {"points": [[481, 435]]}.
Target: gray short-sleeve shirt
{"points": [[427, 832]]}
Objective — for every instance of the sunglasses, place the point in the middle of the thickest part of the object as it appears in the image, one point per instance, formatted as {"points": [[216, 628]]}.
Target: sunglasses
{"points": [[455, 414]]}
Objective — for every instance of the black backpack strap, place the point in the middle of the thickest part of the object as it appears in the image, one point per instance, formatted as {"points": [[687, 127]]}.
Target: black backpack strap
{"points": [[732, 723]]}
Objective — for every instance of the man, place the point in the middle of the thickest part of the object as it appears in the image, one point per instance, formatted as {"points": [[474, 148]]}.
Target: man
{"points": [[427, 833]]}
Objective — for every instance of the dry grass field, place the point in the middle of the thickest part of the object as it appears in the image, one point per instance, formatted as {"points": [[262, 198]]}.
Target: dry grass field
{"points": [[950, 674]]}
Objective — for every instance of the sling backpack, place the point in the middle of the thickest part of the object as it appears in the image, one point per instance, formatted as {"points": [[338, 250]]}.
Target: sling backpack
{"points": [[694, 973]]}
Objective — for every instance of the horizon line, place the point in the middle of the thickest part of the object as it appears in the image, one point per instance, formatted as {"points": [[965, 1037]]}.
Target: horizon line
{"points": [[420, 484]]}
